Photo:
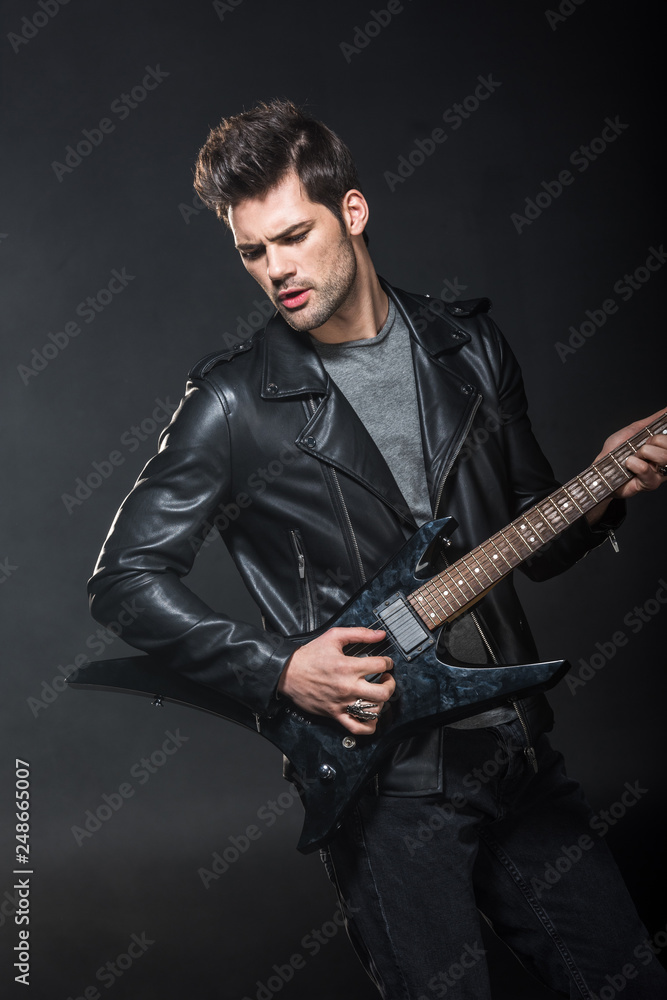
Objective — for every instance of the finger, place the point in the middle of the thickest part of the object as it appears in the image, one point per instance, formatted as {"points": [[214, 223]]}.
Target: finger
{"points": [[345, 636], [356, 726], [380, 692]]}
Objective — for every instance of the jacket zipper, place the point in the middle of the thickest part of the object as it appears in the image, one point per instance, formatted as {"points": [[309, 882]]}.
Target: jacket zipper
{"points": [[455, 454], [346, 513], [304, 577]]}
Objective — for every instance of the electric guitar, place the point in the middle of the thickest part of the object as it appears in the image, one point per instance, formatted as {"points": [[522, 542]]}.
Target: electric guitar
{"points": [[330, 765]]}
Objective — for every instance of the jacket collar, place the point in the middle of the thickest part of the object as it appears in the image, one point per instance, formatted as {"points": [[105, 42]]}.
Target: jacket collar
{"points": [[292, 366], [335, 435]]}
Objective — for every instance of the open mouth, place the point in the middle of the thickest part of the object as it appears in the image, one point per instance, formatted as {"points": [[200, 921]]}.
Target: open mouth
{"points": [[294, 297]]}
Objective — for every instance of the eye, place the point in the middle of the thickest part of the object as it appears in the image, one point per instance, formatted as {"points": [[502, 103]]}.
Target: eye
{"points": [[250, 254], [296, 239]]}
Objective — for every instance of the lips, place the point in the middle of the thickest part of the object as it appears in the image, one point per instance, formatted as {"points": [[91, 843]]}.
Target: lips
{"points": [[294, 297]]}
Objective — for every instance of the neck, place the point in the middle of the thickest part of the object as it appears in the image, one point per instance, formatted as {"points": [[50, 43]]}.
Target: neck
{"points": [[364, 312]]}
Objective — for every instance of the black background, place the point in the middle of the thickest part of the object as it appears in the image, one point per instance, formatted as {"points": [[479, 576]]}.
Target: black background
{"points": [[125, 206]]}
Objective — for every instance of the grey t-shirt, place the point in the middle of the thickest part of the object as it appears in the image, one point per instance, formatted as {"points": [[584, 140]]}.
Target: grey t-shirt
{"points": [[377, 377]]}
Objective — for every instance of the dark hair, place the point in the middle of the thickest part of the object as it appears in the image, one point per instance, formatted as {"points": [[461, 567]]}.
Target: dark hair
{"points": [[249, 153]]}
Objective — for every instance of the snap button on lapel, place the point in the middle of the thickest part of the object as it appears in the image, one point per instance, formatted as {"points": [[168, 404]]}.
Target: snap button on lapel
{"points": [[309, 442], [272, 388]]}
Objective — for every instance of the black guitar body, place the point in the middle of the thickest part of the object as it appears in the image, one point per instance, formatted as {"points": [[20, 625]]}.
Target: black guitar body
{"points": [[331, 766]]}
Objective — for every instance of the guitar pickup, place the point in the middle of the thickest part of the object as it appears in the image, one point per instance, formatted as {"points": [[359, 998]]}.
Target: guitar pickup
{"points": [[405, 628]]}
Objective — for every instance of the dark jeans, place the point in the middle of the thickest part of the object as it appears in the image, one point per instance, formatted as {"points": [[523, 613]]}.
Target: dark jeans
{"points": [[415, 873]]}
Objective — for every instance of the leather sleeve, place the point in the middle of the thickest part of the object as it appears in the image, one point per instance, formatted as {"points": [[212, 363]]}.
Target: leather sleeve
{"points": [[152, 544], [531, 477]]}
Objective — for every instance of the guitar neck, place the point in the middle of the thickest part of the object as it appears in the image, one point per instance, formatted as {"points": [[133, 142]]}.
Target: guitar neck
{"points": [[450, 592]]}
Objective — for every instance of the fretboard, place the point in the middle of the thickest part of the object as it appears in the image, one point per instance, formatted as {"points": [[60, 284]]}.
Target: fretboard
{"points": [[448, 593]]}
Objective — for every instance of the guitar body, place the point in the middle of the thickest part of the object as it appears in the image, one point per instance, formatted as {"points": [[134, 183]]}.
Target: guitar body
{"points": [[331, 766]]}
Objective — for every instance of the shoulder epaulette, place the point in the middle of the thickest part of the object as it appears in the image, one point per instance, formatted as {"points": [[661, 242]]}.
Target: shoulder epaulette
{"points": [[211, 360], [471, 307]]}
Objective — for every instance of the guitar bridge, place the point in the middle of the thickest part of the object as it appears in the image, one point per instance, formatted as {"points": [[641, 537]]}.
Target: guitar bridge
{"points": [[405, 628]]}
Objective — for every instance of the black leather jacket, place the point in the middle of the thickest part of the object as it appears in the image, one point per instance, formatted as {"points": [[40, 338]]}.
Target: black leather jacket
{"points": [[266, 449]]}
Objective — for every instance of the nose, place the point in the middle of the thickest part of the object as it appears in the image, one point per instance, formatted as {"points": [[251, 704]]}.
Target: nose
{"points": [[279, 264]]}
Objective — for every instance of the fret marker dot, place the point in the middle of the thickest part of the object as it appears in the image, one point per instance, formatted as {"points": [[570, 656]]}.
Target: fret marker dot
{"points": [[460, 581], [595, 482], [445, 592], [433, 614], [495, 555], [532, 538], [566, 504], [523, 527], [476, 569]]}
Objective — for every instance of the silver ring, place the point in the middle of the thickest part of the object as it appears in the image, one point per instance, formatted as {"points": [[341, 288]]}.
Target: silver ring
{"points": [[661, 469], [359, 710]]}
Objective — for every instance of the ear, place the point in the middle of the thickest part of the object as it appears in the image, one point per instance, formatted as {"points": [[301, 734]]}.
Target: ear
{"points": [[355, 211]]}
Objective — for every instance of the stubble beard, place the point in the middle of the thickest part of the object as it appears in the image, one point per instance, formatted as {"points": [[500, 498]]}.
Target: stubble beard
{"points": [[330, 297]]}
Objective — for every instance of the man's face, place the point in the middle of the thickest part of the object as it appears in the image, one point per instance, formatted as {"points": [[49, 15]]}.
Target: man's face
{"points": [[297, 251]]}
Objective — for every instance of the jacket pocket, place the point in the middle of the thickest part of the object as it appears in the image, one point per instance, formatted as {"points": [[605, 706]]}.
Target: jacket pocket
{"points": [[306, 609]]}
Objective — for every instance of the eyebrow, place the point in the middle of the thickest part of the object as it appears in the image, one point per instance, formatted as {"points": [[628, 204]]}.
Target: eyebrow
{"points": [[279, 236]]}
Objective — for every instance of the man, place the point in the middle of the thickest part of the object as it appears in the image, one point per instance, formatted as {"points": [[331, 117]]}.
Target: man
{"points": [[319, 446]]}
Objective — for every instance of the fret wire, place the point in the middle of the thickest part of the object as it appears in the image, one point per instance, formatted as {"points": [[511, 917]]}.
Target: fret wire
{"points": [[595, 485], [500, 552], [520, 536], [591, 495], [602, 476], [419, 609], [559, 516], [536, 529], [502, 532], [433, 597], [467, 569], [561, 508], [570, 495], [445, 594], [481, 566], [424, 596], [626, 475], [616, 476], [528, 543], [436, 598], [465, 599]]}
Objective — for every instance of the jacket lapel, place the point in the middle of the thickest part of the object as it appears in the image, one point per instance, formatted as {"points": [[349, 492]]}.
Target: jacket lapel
{"points": [[332, 432], [447, 401]]}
